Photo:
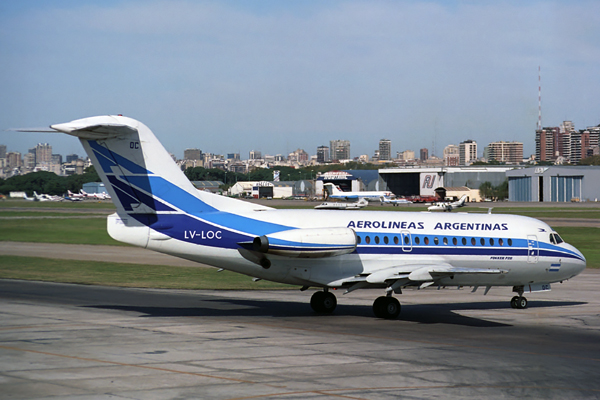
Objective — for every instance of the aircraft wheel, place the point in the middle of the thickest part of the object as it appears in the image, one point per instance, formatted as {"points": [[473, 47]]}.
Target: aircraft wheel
{"points": [[513, 302], [518, 302], [522, 303], [323, 302], [386, 307]]}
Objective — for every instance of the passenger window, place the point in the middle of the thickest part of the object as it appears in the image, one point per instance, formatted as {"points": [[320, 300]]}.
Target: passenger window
{"points": [[482, 241], [501, 242], [367, 240], [473, 242], [436, 240], [464, 241], [509, 241], [454, 241], [491, 241], [426, 240], [417, 240], [395, 239], [406, 240], [386, 240], [358, 240], [376, 239], [445, 240]]}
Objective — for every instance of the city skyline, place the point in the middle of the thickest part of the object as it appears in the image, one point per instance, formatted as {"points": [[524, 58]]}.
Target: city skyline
{"points": [[277, 76]]}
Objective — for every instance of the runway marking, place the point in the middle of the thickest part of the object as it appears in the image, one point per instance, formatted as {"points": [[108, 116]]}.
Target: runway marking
{"points": [[138, 366], [331, 392]]}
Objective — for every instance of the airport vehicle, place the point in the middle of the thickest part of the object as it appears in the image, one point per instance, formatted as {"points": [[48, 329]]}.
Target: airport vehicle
{"points": [[329, 205], [158, 208], [394, 202], [334, 192], [448, 206]]}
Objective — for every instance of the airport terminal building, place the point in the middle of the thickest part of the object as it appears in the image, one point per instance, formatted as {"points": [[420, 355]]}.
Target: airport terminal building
{"points": [[554, 184]]}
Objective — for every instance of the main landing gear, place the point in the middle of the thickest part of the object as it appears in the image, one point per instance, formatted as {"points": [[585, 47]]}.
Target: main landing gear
{"points": [[323, 302], [384, 307], [387, 307]]}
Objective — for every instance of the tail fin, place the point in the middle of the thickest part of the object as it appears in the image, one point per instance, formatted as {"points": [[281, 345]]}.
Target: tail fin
{"points": [[137, 171]]}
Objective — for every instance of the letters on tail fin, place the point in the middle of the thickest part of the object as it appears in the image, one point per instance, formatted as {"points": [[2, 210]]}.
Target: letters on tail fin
{"points": [[138, 172]]}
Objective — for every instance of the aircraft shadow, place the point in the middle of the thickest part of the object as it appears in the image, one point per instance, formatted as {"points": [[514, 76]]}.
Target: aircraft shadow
{"points": [[447, 313]]}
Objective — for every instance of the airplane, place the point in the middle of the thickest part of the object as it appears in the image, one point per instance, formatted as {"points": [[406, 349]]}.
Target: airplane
{"points": [[158, 208], [361, 203], [46, 197], [334, 192], [447, 206], [394, 202], [75, 195], [97, 196]]}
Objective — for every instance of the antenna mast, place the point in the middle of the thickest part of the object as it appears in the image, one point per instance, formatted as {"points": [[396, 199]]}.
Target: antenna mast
{"points": [[539, 99]]}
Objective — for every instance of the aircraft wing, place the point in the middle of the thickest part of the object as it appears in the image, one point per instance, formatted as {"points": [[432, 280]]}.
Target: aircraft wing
{"points": [[415, 274]]}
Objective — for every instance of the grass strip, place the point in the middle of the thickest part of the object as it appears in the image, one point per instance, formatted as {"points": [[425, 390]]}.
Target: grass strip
{"points": [[70, 231], [127, 275]]}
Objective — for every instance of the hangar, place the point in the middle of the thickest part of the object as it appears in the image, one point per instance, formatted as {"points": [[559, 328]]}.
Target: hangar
{"points": [[351, 181], [554, 184], [423, 181]]}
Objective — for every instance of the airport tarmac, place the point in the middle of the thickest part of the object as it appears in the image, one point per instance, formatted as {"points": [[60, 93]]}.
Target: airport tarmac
{"points": [[89, 342]]}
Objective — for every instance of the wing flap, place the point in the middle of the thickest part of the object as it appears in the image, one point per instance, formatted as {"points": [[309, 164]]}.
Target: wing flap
{"points": [[425, 273]]}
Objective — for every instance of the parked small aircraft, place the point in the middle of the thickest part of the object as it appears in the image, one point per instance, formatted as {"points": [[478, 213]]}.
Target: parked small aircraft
{"points": [[328, 205], [334, 192], [448, 206], [394, 202]]}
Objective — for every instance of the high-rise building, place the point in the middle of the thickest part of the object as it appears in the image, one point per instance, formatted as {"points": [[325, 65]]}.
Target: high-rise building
{"points": [[451, 155], [385, 150], [507, 152], [56, 159], [406, 155], [339, 149], [43, 153], [2, 151], [192, 154], [72, 157], [14, 160], [255, 155], [546, 148], [323, 154], [467, 152], [424, 154]]}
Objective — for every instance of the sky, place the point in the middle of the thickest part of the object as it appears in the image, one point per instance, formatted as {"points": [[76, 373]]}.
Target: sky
{"points": [[274, 76]]}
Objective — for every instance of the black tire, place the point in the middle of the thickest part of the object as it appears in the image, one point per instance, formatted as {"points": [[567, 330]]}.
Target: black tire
{"points": [[378, 307], [522, 303], [513, 302], [323, 302], [386, 307]]}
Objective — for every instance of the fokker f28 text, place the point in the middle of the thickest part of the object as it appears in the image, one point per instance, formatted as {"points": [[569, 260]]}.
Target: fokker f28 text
{"points": [[159, 209]]}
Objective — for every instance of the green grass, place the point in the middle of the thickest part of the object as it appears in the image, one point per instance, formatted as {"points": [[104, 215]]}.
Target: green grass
{"points": [[586, 240], [86, 204], [127, 275], [71, 231]]}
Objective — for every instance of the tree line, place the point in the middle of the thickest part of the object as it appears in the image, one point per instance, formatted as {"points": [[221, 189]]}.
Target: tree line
{"points": [[47, 182]]}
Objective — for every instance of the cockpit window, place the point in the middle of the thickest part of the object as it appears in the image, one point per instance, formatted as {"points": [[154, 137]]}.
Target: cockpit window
{"points": [[555, 238]]}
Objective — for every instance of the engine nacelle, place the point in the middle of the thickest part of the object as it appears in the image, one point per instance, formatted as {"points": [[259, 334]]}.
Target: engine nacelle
{"points": [[307, 243]]}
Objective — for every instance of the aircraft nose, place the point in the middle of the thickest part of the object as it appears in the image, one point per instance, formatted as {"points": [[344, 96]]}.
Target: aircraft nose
{"points": [[580, 262]]}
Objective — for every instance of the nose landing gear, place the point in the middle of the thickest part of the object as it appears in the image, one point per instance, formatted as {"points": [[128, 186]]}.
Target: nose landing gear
{"points": [[518, 302]]}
